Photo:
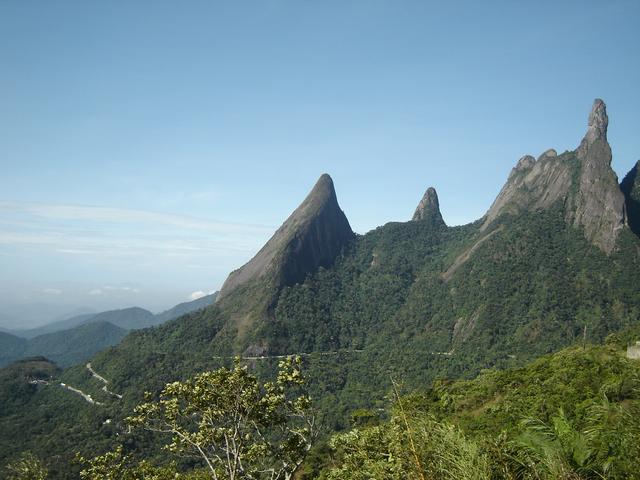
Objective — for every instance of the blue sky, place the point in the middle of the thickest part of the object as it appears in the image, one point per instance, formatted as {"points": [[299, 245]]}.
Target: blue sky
{"points": [[148, 148]]}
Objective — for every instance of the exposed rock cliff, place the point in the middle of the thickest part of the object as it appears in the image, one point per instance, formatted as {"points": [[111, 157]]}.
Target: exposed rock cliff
{"points": [[630, 187], [428, 209], [312, 237], [599, 204], [582, 180]]}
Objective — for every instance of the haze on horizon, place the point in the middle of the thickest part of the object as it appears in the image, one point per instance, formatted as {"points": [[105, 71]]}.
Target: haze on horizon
{"points": [[149, 148]]}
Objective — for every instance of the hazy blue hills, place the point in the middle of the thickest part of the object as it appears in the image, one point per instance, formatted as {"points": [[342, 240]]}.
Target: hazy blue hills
{"points": [[68, 347], [64, 347], [184, 308], [11, 347], [127, 318], [76, 339], [55, 326]]}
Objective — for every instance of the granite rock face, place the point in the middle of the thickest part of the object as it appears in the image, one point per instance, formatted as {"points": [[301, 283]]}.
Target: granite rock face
{"points": [[582, 180], [312, 237], [630, 187], [599, 204], [428, 209], [532, 185]]}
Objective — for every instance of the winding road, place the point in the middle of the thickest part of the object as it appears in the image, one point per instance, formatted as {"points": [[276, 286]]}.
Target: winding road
{"points": [[99, 377]]}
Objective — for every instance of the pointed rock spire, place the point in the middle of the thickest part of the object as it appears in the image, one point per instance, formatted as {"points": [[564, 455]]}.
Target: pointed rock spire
{"points": [[598, 123], [428, 209], [588, 188], [599, 204], [312, 237]]}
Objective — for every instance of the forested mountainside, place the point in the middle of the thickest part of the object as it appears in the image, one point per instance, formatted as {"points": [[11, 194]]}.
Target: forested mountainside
{"points": [[552, 262], [573, 414]]}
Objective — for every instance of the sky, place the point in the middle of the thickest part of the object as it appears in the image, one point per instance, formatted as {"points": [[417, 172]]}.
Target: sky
{"points": [[148, 148]]}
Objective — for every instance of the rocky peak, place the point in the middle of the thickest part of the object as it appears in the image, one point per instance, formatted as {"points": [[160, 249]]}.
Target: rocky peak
{"points": [[428, 209], [598, 123], [551, 153], [582, 181], [525, 163], [312, 237], [599, 206]]}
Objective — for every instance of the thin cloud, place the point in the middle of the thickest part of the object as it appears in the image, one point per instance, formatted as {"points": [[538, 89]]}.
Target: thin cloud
{"points": [[121, 215], [199, 294], [106, 290], [196, 295], [123, 233], [52, 291]]}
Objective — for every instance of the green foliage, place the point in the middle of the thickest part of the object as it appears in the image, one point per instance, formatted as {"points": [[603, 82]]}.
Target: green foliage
{"points": [[240, 428], [419, 447], [565, 416], [21, 380], [27, 467], [570, 380], [118, 466]]}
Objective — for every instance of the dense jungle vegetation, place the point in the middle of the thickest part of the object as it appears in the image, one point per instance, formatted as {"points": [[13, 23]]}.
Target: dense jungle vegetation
{"points": [[574, 414], [400, 303]]}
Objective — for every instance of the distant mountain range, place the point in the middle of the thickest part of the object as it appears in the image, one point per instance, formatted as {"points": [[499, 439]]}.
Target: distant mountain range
{"points": [[34, 314], [73, 340]]}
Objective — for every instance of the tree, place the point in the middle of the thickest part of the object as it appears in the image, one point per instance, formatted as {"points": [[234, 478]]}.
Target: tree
{"points": [[27, 467], [239, 427], [118, 466]]}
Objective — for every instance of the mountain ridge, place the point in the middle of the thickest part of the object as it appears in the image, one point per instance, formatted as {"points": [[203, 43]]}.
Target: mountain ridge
{"points": [[582, 180], [530, 282]]}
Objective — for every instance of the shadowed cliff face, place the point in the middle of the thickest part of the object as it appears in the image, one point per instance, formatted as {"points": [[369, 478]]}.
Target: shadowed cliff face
{"points": [[582, 180], [630, 187], [428, 209], [312, 237]]}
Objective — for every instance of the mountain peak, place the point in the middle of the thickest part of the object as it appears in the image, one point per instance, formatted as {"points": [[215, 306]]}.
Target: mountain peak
{"points": [[428, 209], [599, 206], [312, 237], [324, 183], [322, 192], [588, 188], [598, 123]]}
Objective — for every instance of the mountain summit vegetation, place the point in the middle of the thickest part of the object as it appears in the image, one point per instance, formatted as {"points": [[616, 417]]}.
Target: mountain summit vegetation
{"points": [[554, 262]]}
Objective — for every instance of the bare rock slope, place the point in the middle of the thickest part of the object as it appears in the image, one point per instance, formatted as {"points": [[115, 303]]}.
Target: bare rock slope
{"points": [[428, 209], [312, 237]]}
